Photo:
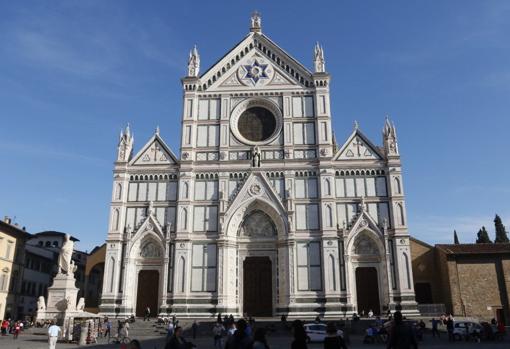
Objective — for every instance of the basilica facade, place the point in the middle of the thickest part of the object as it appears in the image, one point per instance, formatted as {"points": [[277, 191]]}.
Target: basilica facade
{"points": [[262, 213]]}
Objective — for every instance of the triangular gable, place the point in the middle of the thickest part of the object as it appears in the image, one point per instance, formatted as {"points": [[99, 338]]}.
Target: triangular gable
{"points": [[364, 221], [150, 224], [256, 186], [229, 72], [358, 147], [155, 152]]}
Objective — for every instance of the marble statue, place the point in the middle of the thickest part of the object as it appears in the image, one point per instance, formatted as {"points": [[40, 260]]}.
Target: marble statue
{"points": [[81, 304], [65, 263], [255, 156], [41, 304]]}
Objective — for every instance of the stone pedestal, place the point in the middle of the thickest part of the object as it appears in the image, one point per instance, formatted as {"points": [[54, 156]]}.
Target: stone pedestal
{"points": [[62, 295], [62, 305]]}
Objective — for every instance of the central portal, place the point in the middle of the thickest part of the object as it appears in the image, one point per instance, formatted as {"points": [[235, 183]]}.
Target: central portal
{"points": [[147, 295], [257, 287], [367, 290]]}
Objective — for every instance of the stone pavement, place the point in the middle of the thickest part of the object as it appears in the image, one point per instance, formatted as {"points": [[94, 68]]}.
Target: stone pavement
{"points": [[29, 340]]}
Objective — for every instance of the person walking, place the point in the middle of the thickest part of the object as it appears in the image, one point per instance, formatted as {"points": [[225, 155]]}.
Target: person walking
{"points": [[218, 330], [17, 329], [194, 328], [259, 339], [169, 331], [401, 334], [108, 329], [53, 333], [435, 330], [177, 341], [333, 340], [449, 328], [147, 314], [239, 340], [299, 341]]}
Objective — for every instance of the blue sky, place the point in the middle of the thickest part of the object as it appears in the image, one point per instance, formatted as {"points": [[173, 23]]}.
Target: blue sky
{"points": [[72, 73]]}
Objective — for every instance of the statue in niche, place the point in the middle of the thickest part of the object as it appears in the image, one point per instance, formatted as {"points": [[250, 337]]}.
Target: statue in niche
{"points": [[150, 250], [255, 156], [258, 224], [65, 263], [365, 246]]}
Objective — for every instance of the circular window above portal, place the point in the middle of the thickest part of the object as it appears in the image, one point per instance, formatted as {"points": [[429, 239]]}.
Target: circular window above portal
{"points": [[256, 121], [256, 124]]}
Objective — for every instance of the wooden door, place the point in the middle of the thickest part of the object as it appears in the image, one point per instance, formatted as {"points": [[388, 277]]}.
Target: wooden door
{"points": [[147, 295], [257, 287], [367, 290]]}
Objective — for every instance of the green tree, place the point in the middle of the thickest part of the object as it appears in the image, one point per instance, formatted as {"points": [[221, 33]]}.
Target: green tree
{"points": [[483, 237], [501, 233], [455, 238]]}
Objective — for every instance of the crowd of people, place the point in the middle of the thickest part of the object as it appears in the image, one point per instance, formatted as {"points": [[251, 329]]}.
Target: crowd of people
{"points": [[229, 333]]}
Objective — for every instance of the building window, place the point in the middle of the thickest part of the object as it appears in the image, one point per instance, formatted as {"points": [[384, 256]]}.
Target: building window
{"points": [[55, 243], [307, 216], [4, 280], [209, 109], [208, 135], [304, 133], [47, 244], [8, 249], [203, 270], [306, 188], [205, 218], [309, 266], [206, 190]]}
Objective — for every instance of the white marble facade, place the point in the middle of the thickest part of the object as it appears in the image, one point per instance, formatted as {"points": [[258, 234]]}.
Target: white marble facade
{"points": [[276, 187]]}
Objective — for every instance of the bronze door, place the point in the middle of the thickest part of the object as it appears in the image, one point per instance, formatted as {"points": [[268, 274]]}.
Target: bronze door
{"points": [[148, 286], [257, 287], [367, 290]]}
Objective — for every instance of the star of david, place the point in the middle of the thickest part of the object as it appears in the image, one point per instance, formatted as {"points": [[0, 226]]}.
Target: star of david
{"points": [[256, 71]]}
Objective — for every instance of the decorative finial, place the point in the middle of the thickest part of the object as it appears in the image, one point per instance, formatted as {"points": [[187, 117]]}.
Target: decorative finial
{"points": [[193, 62], [318, 59], [256, 22], [356, 125], [156, 131]]}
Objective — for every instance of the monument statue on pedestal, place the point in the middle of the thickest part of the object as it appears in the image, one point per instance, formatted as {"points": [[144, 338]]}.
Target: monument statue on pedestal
{"points": [[65, 263]]}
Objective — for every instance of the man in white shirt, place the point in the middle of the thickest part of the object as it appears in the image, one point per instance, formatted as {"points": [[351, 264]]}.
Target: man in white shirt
{"points": [[53, 333]]}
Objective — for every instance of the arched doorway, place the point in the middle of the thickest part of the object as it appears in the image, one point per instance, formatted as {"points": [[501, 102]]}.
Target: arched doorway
{"points": [[367, 265], [148, 283], [367, 290], [257, 293], [147, 292], [257, 289]]}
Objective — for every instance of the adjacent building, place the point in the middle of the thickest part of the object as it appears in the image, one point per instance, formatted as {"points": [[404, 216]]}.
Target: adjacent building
{"points": [[262, 213], [12, 251], [41, 254]]}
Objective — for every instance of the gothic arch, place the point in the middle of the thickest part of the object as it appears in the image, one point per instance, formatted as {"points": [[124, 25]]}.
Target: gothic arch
{"points": [[371, 236], [260, 204]]}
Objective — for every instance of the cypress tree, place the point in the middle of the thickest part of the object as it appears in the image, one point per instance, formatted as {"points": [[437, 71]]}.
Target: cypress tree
{"points": [[483, 237], [455, 238], [501, 233]]}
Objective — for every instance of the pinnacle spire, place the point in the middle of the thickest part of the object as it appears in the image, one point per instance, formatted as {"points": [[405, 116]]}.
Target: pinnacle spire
{"points": [[193, 62], [156, 131], [318, 59]]}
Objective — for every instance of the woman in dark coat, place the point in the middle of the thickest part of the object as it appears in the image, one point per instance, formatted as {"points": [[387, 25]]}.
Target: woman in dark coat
{"points": [[299, 341], [333, 340]]}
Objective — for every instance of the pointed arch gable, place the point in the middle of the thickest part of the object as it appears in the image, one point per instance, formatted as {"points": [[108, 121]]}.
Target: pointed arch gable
{"points": [[150, 229]]}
